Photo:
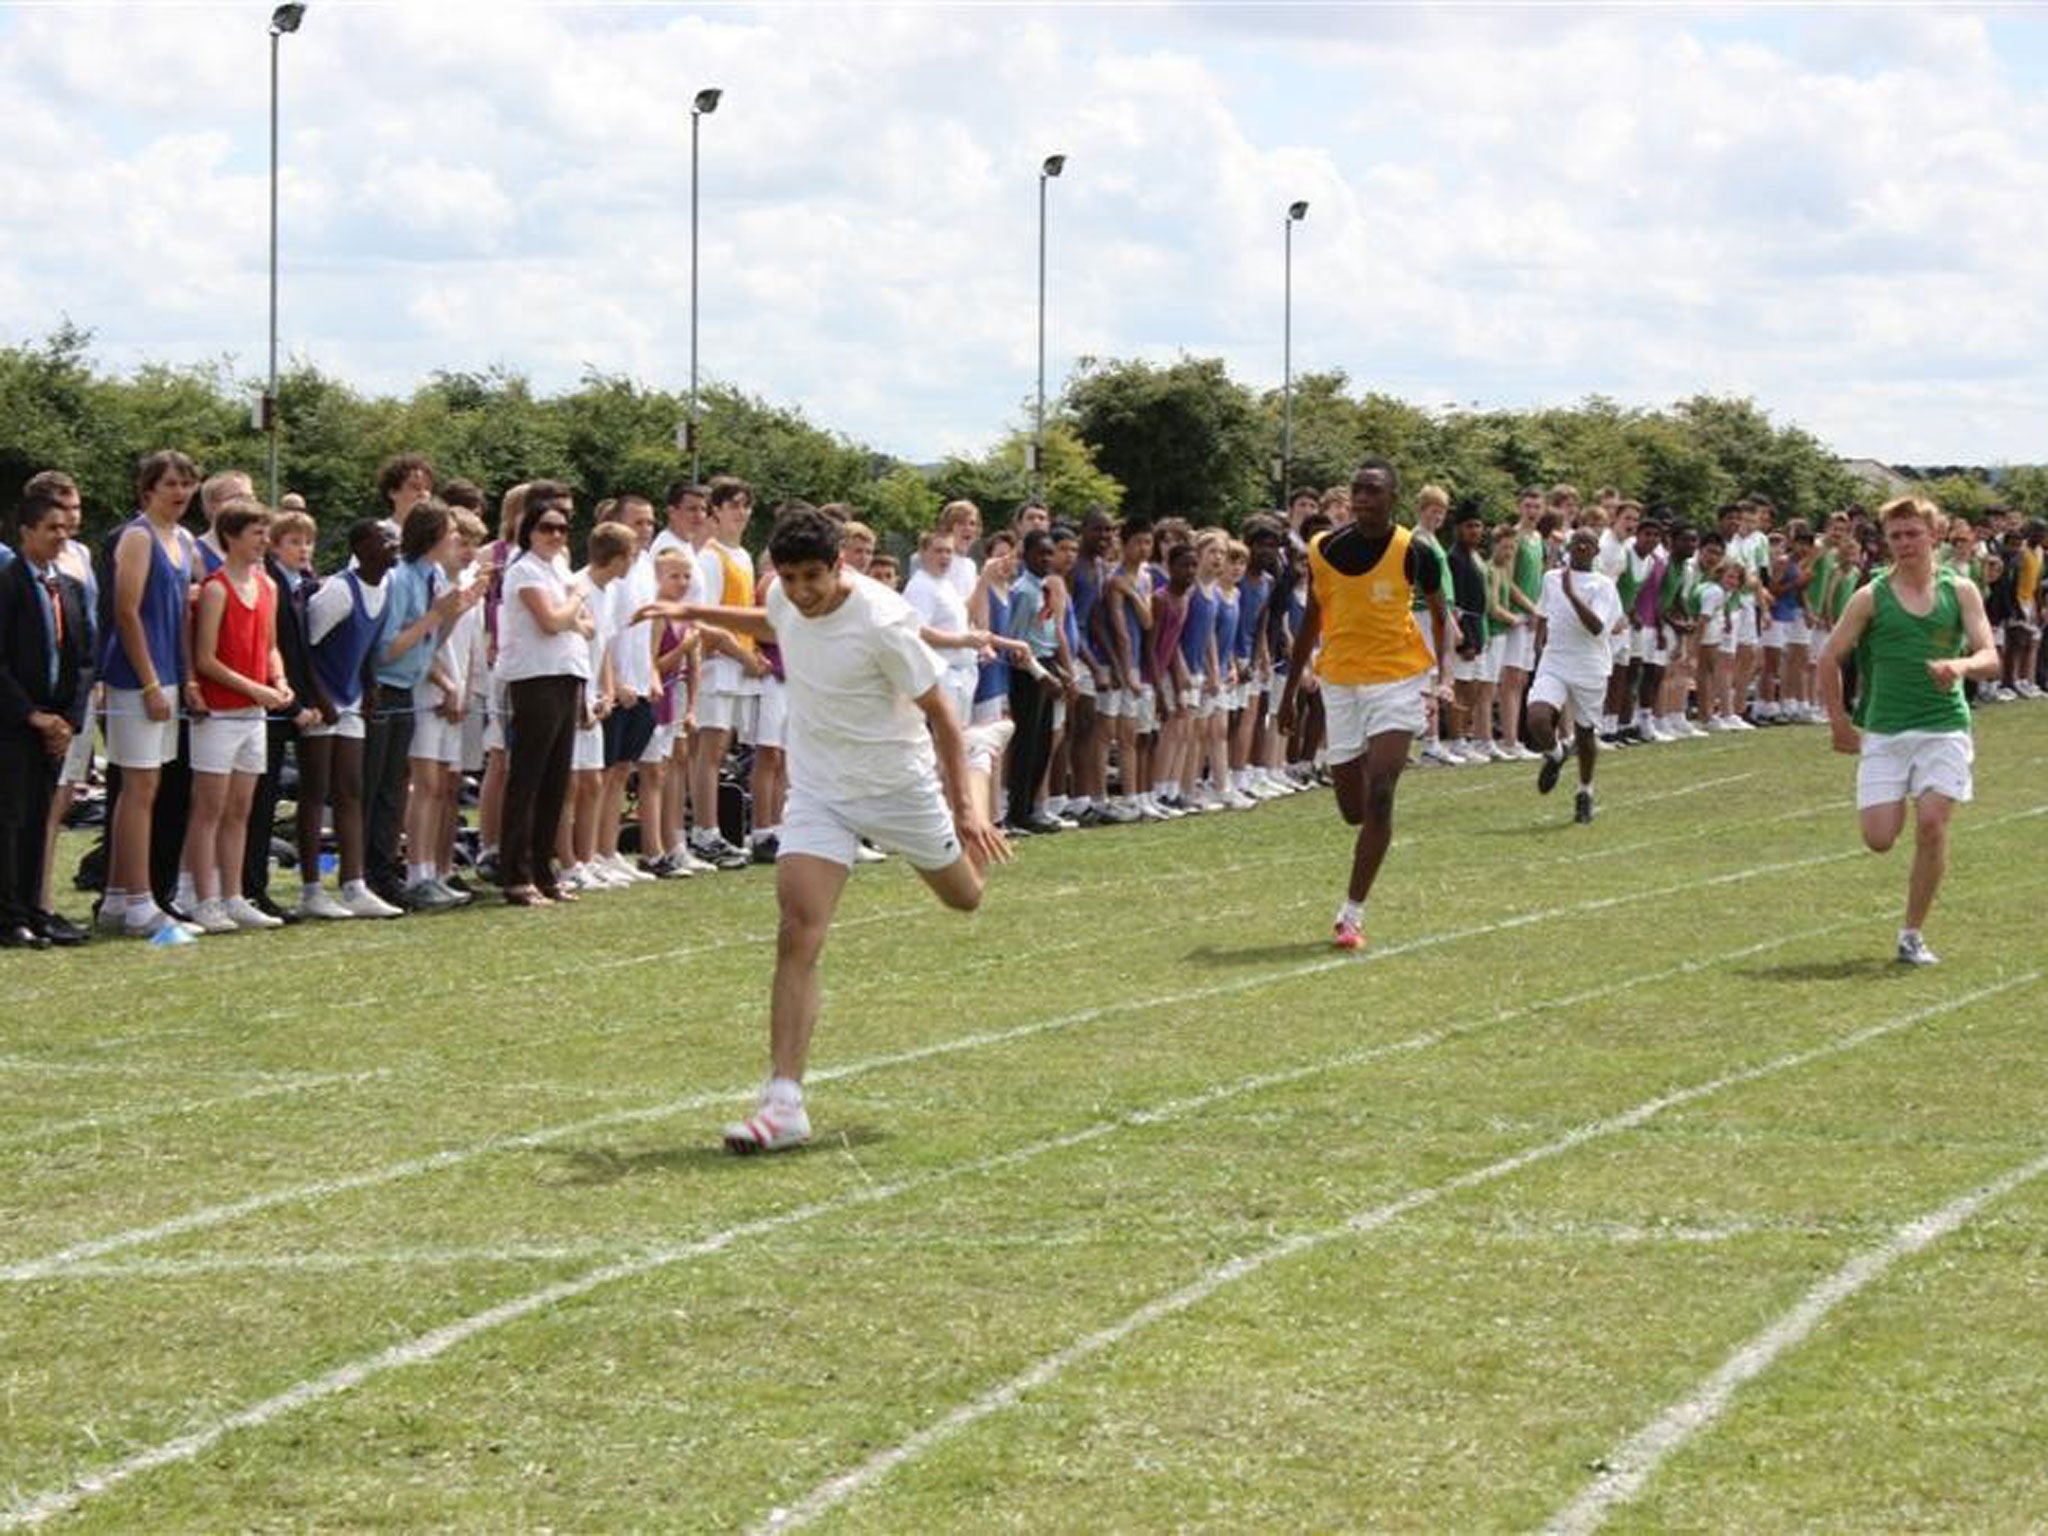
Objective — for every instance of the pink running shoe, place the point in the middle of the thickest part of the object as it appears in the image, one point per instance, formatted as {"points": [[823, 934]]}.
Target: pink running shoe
{"points": [[1348, 936], [772, 1127]]}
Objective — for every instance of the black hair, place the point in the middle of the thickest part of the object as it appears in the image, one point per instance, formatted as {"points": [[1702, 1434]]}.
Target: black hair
{"points": [[363, 530], [678, 489], [802, 534], [424, 527], [1036, 540], [1372, 462]]}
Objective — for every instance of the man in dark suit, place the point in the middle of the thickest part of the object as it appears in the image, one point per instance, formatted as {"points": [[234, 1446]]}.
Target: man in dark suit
{"points": [[45, 635]]}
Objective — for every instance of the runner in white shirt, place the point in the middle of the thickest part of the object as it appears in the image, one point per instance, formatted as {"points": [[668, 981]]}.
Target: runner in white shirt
{"points": [[1581, 611], [875, 752]]}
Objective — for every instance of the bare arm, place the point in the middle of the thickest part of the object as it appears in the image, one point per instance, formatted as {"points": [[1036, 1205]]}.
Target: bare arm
{"points": [[745, 621], [979, 839]]}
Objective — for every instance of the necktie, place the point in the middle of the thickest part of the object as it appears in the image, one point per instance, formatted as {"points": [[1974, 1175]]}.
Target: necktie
{"points": [[56, 596]]}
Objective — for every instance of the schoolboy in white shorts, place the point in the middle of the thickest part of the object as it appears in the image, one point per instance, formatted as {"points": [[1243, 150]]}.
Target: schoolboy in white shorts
{"points": [[874, 752], [1581, 610]]}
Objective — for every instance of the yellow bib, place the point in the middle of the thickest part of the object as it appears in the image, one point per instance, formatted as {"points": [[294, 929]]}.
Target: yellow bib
{"points": [[1369, 634]]}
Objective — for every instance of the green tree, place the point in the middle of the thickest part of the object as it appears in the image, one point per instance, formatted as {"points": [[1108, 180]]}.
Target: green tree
{"points": [[1185, 439]]}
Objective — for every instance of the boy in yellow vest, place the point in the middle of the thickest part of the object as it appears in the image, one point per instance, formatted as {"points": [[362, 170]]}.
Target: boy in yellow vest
{"points": [[1373, 668]]}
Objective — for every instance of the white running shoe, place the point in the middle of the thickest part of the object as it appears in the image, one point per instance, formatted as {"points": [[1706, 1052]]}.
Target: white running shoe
{"points": [[625, 869], [319, 903], [156, 923], [1913, 950], [367, 903], [244, 913], [1437, 752], [212, 917], [772, 1127], [1237, 800], [1122, 812]]}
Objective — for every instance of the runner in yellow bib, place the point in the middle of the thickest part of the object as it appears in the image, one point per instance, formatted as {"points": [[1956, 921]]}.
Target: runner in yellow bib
{"points": [[1373, 668]]}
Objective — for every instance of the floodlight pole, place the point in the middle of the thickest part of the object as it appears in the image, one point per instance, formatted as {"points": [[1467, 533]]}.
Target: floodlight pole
{"points": [[1051, 167], [285, 18], [1296, 212], [705, 103]]}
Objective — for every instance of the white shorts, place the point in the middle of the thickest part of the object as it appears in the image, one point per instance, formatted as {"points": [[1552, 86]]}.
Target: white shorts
{"points": [[1355, 713], [1059, 713], [738, 713], [913, 822], [1521, 647], [1483, 668], [77, 767], [995, 707], [662, 743], [1911, 763], [1644, 645], [1112, 703], [348, 726], [1745, 626], [230, 741], [435, 739], [958, 685], [588, 755], [1779, 633], [1586, 695], [771, 716], [133, 739], [1144, 708], [475, 723], [1084, 681], [496, 715]]}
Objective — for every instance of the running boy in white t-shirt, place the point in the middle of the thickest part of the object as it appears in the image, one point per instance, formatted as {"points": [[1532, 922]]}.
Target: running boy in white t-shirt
{"points": [[1581, 611], [875, 752]]}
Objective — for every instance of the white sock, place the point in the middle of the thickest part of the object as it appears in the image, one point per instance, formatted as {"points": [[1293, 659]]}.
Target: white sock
{"points": [[187, 893], [142, 911], [113, 903], [354, 888], [1055, 804], [1352, 912], [785, 1090], [1908, 935], [309, 889]]}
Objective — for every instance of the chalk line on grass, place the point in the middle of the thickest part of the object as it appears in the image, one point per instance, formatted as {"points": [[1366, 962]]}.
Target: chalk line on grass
{"points": [[429, 1346], [836, 1490], [218, 1215], [134, 1115], [1635, 1461]]}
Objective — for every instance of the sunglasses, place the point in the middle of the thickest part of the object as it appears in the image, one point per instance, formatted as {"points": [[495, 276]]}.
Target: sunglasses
{"points": [[551, 527]]}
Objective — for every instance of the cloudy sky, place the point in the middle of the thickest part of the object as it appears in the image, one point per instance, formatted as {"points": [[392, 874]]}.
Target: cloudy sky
{"points": [[1835, 209]]}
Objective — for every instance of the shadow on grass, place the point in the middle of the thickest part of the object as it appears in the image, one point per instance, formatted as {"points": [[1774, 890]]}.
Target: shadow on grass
{"points": [[1858, 967], [587, 1167], [1217, 958]]}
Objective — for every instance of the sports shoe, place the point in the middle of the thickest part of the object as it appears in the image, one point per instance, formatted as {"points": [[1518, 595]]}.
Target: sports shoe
{"points": [[1237, 800], [458, 896], [1122, 812], [772, 1127], [720, 854], [487, 868], [1346, 935], [868, 853], [1437, 752], [320, 903], [244, 913], [425, 896], [626, 869], [212, 917], [1582, 808], [1913, 950], [765, 848], [665, 868], [367, 903], [110, 922], [1546, 776], [157, 922]]}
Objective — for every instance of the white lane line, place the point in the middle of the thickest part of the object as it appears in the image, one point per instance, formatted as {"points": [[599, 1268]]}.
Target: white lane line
{"points": [[1258, 1082], [36, 1065], [836, 1490], [120, 1117], [234, 1210], [218, 1215], [431, 1345], [1632, 1464]]}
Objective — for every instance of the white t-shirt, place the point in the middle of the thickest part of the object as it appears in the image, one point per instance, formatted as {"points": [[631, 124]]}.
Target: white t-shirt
{"points": [[1713, 613], [1569, 650], [853, 674], [632, 644], [961, 575], [331, 602], [944, 609], [523, 649], [602, 603]]}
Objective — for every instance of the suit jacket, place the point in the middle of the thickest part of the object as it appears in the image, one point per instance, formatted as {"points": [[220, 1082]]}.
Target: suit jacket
{"points": [[25, 651], [292, 644]]}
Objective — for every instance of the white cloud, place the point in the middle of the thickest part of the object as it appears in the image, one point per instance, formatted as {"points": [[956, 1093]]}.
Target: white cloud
{"points": [[1834, 213]]}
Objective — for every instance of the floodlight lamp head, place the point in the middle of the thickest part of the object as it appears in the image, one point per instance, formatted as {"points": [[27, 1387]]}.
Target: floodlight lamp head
{"points": [[286, 18], [1297, 211], [707, 100], [1054, 164]]}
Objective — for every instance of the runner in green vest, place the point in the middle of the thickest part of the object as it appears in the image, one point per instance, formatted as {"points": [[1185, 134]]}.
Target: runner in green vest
{"points": [[1917, 631]]}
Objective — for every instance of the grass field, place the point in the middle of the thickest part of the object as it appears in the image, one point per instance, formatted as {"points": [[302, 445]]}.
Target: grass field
{"points": [[1623, 1179]]}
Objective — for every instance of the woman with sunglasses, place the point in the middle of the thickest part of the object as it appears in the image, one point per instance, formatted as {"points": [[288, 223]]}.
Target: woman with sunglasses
{"points": [[544, 662]]}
